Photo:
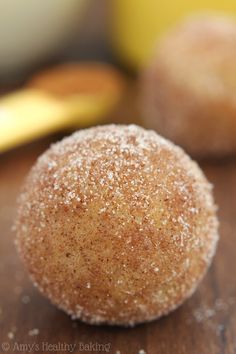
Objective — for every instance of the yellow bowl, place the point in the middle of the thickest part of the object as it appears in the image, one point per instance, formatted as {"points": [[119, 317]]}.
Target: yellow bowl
{"points": [[138, 24]]}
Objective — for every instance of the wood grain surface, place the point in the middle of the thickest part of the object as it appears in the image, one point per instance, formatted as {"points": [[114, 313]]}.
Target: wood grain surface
{"points": [[205, 324]]}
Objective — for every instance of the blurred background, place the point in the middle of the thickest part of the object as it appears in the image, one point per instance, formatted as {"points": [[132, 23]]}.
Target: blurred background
{"points": [[37, 37], [70, 64]]}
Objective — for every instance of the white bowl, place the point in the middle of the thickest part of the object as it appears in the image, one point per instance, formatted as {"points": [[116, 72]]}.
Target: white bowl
{"points": [[31, 31]]}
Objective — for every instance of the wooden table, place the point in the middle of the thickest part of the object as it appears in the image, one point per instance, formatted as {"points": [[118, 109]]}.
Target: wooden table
{"points": [[205, 324]]}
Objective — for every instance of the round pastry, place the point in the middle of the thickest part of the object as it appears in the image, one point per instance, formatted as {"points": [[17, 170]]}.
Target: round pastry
{"points": [[116, 225], [189, 86]]}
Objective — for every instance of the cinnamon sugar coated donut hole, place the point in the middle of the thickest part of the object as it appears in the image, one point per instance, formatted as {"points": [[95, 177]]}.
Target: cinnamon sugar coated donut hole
{"points": [[116, 225], [189, 86]]}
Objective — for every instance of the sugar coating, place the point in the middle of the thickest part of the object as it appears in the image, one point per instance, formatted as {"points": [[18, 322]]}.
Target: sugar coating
{"points": [[189, 86], [116, 225], [33, 332]]}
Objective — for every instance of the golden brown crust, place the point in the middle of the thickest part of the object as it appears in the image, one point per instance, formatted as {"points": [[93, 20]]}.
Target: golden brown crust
{"points": [[189, 87], [116, 225]]}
